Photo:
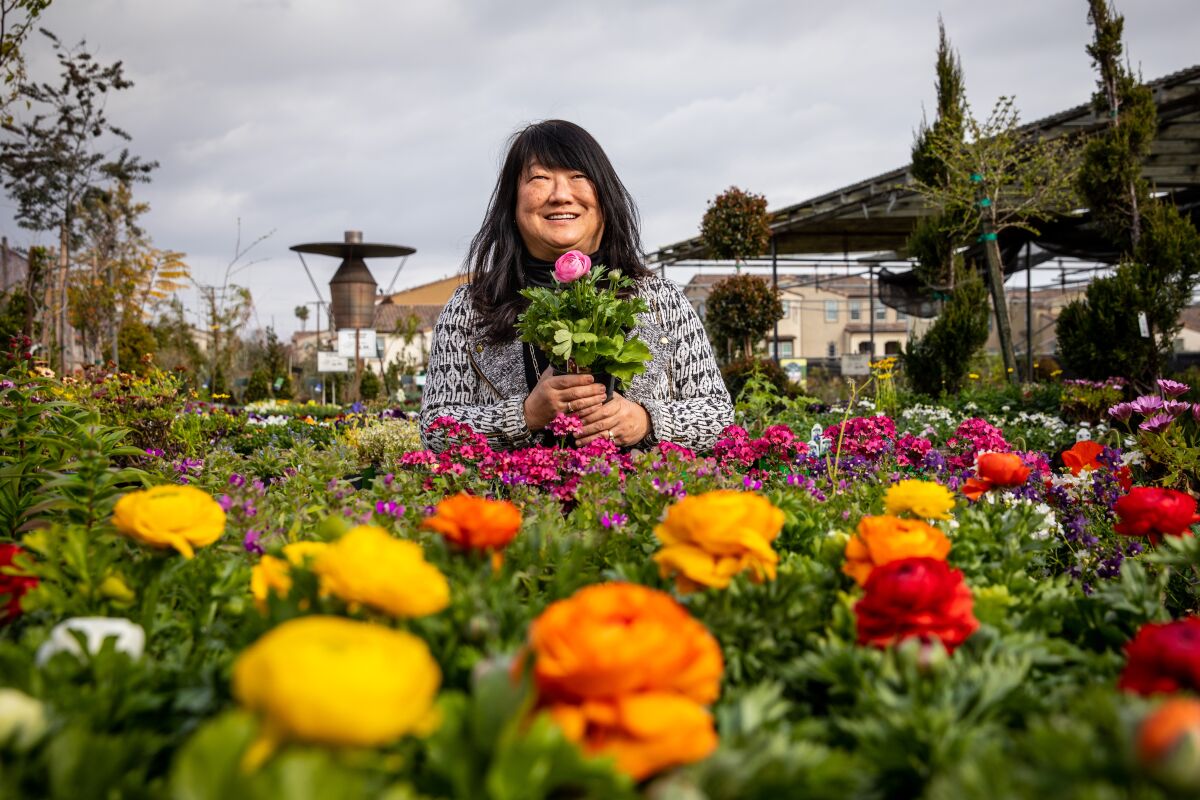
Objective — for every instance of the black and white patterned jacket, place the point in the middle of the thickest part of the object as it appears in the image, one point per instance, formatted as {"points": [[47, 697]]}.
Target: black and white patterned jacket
{"points": [[484, 386]]}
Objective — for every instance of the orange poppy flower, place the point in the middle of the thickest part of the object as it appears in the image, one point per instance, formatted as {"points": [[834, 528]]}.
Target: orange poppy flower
{"points": [[1001, 469], [975, 488], [1084, 455]]}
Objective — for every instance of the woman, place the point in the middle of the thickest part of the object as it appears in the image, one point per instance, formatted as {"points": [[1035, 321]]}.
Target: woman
{"points": [[558, 192]]}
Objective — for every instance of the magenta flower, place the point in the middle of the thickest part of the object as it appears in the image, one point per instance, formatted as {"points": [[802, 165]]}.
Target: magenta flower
{"points": [[1172, 388], [1121, 411], [565, 424], [1157, 423], [1147, 404], [1176, 407], [571, 266]]}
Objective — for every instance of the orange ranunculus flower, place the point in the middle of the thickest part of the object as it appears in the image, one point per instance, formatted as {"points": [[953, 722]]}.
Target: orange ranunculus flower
{"points": [[476, 523], [1001, 469], [1084, 455], [626, 671], [881, 540], [709, 538]]}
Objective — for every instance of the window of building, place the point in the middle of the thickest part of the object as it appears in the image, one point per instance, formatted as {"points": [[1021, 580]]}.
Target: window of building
{"points": [[831, 310], [891, 348], [831, 350], [785, 348], [855, 310], [901, 316], [880, 311], [787, 308], [864, 347], [702, 309]]}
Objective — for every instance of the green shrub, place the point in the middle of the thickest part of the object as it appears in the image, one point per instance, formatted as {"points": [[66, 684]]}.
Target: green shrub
{"points": [[939, 361]]}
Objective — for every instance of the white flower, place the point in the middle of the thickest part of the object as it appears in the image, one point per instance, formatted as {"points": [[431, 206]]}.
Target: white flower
{"points": [[129, 636], [22, 720]]}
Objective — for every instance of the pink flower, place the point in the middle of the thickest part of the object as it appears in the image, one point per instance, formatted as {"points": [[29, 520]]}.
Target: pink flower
{"points": [[1121, 411], [1172, 388], [1157, 423], [1147, 404], [571, 266]]}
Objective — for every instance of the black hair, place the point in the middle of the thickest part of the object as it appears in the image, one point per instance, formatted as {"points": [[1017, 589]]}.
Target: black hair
{"points": [[493, 261]]}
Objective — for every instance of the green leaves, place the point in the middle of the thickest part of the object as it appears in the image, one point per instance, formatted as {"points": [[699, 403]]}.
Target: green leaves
{"points": [[586, 328]]}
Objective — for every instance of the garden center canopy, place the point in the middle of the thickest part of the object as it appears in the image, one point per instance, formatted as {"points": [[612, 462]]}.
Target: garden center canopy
{"points": [[877, 214]]}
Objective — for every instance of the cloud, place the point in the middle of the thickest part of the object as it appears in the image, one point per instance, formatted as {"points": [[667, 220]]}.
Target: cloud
{"points": [[306, 118]]}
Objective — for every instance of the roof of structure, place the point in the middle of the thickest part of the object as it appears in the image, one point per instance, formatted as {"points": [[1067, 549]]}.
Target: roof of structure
{"points": [[434, 292], [878, 213]]}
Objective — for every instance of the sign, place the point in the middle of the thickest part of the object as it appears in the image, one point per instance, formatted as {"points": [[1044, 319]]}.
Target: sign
{"points": [[796, 369], [331, 362], [1143, 325], [856, 364], [366, 343]]}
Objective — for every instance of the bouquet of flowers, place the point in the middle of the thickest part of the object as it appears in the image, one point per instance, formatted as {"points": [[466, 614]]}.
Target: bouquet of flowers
{"points": [[584, 325]]}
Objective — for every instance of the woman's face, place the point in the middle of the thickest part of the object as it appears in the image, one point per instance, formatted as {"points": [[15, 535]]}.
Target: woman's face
{"points": [[557, 211]]}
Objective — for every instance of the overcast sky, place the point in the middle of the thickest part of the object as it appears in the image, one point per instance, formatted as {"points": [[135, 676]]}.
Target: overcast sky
{"points": [[309, 117]]}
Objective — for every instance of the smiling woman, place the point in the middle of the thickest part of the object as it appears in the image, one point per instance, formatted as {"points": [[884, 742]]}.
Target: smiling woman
{"points": [[557, 192]]}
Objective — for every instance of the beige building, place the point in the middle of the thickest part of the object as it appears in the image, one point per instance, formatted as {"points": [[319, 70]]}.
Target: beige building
{"points": [[826, 317]]}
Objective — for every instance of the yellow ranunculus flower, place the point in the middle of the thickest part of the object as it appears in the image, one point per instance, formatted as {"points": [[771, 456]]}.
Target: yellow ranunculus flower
{"points": [[334, 681], [925, 499], [370, 566], [882, 540], [273, 575], [711, 537], [182, 517]]}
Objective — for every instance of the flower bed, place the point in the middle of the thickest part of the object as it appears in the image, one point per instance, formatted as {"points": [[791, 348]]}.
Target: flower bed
{"points": [[944, 603]]}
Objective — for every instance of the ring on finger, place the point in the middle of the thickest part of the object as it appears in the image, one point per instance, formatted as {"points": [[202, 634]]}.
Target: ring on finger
{"points": [[610, 434], [569, 408]]}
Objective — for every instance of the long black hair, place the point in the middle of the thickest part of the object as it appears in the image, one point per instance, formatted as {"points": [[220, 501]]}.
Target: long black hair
{"points": [[493, 261]]}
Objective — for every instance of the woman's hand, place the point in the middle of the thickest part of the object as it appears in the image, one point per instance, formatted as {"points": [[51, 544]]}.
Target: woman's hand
{"points": [[561, 394], [623, 421]]}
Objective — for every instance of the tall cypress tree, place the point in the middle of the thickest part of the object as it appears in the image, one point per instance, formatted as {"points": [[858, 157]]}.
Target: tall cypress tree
{"points": [[1160, 249], [939, 361]]}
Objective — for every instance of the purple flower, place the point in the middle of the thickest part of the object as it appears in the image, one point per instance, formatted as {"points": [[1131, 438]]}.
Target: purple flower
{"points": [[1147, 404], [225, 502], [237, 481], [154, 451], [751, 483], [1172, 388], [389, 508], [613, 520], [250, 542], [1157, 423], [1121, 411]]}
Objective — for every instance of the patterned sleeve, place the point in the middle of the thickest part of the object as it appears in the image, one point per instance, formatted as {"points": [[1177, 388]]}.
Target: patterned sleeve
{"points": [[699, 408], [453, 388]]}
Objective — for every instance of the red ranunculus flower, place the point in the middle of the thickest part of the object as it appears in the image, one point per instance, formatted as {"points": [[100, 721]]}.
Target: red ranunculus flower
{"points": [[1154, 512], [1163, 657], [1002, 469], [14, 586], [1084, 455], [920, 597]]}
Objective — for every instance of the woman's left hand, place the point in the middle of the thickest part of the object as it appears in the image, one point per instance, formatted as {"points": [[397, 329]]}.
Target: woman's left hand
{"points": [[623, 421]]}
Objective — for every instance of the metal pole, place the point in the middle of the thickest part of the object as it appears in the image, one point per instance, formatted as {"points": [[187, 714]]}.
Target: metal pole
{"points": [[1028, 313], [775, 289], [871, 306]]}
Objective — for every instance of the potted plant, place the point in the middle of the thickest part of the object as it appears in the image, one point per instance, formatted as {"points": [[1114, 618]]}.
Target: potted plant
{"points": [[584, 325]]}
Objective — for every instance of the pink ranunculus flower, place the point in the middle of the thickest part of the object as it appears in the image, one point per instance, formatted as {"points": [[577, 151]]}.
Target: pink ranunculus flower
{"points": [[571, 266]]}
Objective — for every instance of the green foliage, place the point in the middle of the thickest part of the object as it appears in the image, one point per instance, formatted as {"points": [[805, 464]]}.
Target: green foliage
{"points": [[741, 310], [259, 387], [1110, 178], [736, 225], [136, 345], [370, 386], [739, 373], [939, 361], [18, 17], [585, 328], [1160, 248]]}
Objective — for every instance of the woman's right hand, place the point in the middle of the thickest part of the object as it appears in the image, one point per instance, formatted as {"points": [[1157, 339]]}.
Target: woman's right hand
{"points": [[560, 394]]}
